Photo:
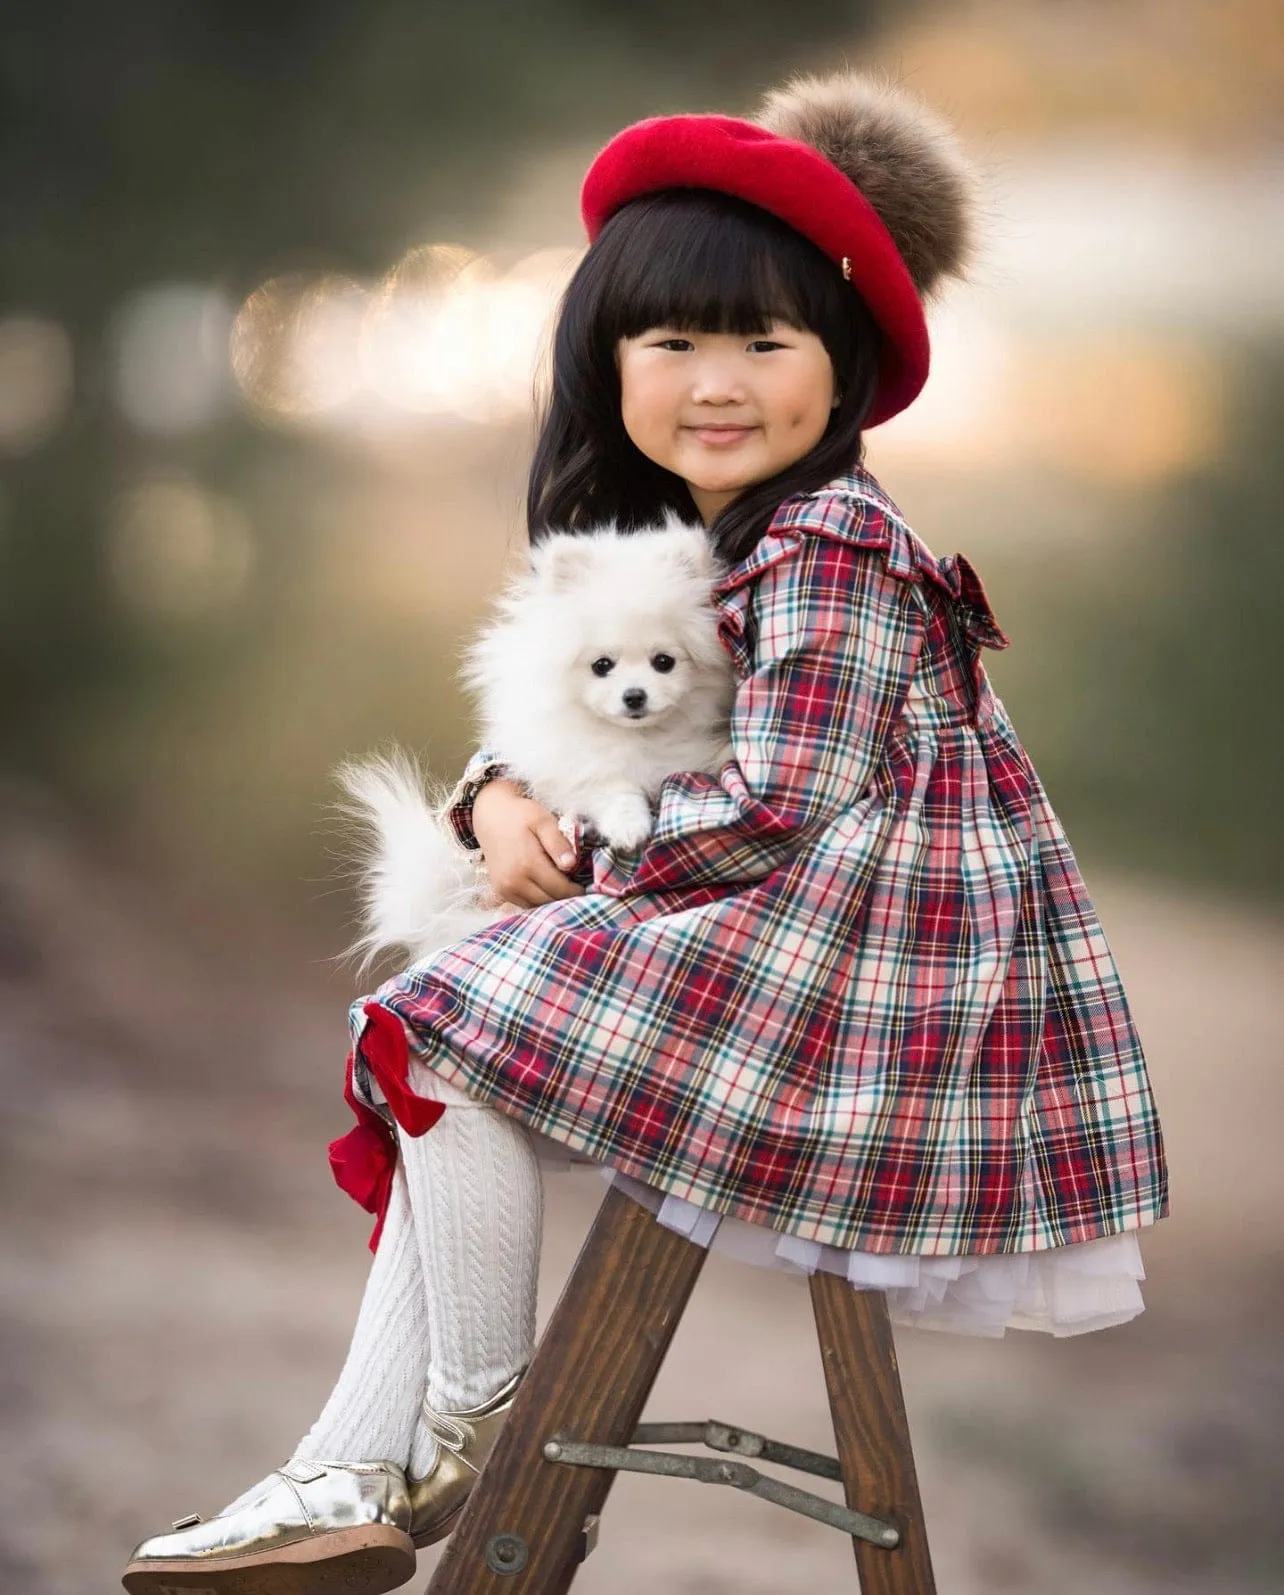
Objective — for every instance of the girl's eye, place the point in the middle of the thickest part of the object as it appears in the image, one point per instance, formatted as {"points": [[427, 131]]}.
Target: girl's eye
{"points": [[769, 343], [663, 663], [602, 666]]}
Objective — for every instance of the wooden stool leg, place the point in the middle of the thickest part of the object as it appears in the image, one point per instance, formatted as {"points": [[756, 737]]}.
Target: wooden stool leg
{"points": [[589, 1380], [872, 1432]]}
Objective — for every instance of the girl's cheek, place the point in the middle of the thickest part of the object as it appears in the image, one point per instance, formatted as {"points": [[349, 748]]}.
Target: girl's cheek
{"points": [[651, 407]]}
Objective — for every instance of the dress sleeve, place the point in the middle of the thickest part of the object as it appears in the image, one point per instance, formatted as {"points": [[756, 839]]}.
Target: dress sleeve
{"points": [[458, 809], [836, 642]]}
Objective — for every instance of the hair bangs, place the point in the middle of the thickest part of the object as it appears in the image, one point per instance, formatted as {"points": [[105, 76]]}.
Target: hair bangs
{"points": [[728, 267]]}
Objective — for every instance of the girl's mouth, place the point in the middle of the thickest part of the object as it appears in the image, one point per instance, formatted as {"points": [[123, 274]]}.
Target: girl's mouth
{"points": [[721, 437]]}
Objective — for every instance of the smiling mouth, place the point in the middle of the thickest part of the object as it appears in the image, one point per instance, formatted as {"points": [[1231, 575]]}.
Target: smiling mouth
{"points": [[721, 434]]}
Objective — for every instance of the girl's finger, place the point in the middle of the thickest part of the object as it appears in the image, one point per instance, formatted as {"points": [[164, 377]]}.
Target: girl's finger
{"points": [[544, 876], [530, 895], [554, 842], [549, 882]]}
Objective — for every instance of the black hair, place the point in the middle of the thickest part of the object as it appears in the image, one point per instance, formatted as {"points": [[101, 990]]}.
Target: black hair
{"points": [[700, 260]]}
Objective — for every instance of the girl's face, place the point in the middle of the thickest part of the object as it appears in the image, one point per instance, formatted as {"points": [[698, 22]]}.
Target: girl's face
{"points": [[721, 410]]}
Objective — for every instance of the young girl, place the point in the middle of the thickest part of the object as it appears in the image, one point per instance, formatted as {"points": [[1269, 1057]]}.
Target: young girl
{"points": [[850, 1006]]}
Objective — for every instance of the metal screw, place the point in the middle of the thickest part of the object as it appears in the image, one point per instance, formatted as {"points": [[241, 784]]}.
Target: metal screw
{"points": [[552, 1451], [890, 1537], [506, 1553]]}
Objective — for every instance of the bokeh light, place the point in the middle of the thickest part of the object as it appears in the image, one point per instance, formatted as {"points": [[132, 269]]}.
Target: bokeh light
{"points": [[35, 381], [176, 550], [172, 373], [445, 334], [415, 349], [294, 345]]}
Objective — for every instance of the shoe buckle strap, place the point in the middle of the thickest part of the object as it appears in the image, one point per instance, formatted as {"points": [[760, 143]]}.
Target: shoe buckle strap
{"points": [[448, 1431], [301, 1472]]}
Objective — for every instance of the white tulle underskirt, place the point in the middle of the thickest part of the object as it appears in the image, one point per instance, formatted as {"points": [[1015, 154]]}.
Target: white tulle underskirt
{"points": [[1066, 1290]]}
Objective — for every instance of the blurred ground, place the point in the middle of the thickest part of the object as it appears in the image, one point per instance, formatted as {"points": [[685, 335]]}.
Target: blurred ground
{"points": [[180, 1275]]}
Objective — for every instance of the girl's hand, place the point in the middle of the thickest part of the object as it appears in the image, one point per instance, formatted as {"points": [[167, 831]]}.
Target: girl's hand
{"points": [[523, 846]]}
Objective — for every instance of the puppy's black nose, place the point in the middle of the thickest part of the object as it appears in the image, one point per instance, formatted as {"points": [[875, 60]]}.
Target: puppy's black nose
{"points": [[635, 697]]}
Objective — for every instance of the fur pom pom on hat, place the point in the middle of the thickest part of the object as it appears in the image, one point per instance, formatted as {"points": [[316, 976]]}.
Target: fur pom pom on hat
{"points": [[903, 158], [863, 169]]}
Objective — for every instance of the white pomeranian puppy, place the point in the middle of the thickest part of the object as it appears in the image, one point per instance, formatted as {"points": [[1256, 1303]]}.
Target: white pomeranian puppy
{"points": [[601, 674]]}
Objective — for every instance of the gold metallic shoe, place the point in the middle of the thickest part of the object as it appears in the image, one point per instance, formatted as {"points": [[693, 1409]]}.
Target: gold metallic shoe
{"points": [[313, 1526], [465, 1439]]}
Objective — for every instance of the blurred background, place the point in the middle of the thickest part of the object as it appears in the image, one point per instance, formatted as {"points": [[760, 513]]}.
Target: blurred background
{"points": [[276, 286]]}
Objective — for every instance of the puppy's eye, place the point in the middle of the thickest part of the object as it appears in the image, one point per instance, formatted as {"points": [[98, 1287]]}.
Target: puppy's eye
{"points": [[663, 663], [602, 666]]}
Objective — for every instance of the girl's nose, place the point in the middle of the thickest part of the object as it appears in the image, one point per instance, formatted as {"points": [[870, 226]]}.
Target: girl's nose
{"points": [[716, 383]]}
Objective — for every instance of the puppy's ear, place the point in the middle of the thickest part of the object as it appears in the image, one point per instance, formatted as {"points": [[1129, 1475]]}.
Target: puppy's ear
{"points": [[561, 560], [690, 547]]}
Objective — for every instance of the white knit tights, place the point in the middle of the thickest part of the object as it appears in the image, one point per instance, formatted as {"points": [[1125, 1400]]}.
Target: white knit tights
{"points": [[478, 1206], [448, 1314]]}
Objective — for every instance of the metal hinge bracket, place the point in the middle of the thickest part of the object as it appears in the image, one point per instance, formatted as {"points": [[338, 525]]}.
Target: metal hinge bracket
{"points": [[708, 1470]]}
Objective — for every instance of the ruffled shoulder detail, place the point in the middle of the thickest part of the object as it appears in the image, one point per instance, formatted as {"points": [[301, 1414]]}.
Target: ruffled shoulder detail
{"points": [[825, 513], [855, 509]]}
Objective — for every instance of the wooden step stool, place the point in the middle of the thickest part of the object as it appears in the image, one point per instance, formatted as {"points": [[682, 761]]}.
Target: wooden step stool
{"points": [[532, 1516]]}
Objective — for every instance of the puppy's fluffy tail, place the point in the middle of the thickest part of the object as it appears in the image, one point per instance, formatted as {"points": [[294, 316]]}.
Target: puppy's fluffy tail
{"points": [[418, 887]]}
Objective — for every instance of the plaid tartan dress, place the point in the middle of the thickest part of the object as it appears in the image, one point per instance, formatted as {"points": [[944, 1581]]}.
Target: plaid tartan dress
{"points": [[853, 988]]}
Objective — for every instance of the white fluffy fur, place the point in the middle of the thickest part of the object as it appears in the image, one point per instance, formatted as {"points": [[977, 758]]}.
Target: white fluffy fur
{"points": [[418, 886], [563, 729]]}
